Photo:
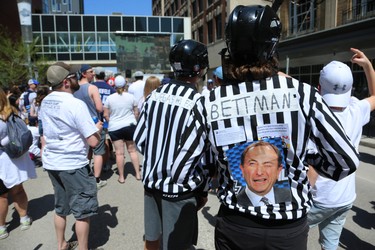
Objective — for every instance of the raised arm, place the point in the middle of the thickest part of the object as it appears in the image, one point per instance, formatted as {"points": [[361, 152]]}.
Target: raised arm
{"points": [[360, 58]]}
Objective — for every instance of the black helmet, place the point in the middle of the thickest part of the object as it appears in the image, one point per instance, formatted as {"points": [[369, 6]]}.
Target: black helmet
{"points": [[188, 57], [252, 33]]}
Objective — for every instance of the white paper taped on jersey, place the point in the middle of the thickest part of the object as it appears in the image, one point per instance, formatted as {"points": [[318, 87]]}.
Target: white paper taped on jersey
{"points": [[259, 102], [183, 102]]}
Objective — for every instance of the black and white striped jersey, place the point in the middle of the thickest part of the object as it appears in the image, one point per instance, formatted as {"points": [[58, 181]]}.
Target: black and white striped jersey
{"points": [[159, 133], [277, 107]]}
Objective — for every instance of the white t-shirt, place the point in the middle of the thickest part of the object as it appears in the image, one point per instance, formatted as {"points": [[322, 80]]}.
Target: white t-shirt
{"points": [[136, 89], [327, 192], [120, 110], [205, 91], [66, 125], [34, 149]]}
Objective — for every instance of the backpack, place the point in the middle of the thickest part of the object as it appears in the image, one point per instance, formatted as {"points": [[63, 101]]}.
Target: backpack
{"points": [[20, 137], [26, 102]]}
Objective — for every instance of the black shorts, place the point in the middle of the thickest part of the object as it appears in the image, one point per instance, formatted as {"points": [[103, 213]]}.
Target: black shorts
{"points": [[125, 133], [3, 188]]}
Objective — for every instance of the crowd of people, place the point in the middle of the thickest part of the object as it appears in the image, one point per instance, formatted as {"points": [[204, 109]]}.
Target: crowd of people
{"points": [[282, 153]]}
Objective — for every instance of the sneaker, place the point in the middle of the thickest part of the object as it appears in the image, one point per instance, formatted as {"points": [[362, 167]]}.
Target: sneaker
{"points": [[71, 245], [26, 224], [101, 184], [3, 233]]}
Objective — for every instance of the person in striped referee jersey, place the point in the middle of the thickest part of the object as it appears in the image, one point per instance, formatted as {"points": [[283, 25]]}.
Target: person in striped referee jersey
{"points": [[256, 103], [175, 182]]}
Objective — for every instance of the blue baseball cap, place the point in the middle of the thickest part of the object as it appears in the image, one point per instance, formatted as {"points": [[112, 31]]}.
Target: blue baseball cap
{"points": [[33, 81], [219, 72], [85, 67]]}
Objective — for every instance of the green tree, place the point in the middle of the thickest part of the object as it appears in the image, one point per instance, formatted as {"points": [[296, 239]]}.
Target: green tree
{"points": [[13, 60]]}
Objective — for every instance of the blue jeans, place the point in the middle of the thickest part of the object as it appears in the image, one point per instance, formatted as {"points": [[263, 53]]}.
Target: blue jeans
{"points": [[330, 222]]}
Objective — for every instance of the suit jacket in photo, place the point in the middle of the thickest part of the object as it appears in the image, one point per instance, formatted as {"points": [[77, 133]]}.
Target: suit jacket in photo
{"points": [[281, 195]]}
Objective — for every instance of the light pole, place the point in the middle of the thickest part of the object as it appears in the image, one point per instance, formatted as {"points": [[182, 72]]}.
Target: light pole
{"points": [[24, 10]]}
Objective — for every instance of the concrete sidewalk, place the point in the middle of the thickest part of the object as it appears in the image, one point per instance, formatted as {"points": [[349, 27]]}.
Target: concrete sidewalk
{"points": [[367, 141]]}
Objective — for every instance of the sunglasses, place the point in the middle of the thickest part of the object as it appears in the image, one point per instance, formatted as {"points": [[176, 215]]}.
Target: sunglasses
{"points": [[72, 76]]}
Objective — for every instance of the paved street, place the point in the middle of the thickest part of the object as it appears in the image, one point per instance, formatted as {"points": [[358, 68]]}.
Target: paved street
{"points": [[119, 224]]}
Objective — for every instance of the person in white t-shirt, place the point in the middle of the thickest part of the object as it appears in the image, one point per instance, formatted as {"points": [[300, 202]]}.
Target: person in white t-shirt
{"points": [[136, 88], [206, 89], [332, 200], [121, 112], [68, 131]]}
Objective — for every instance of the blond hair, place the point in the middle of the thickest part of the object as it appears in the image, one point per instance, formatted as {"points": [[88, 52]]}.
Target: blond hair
{"points": [[151, 84], [5, 108]]}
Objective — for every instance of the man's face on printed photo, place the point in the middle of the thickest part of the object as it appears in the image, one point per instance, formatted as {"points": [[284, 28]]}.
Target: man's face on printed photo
{"points": [[261, 169]]}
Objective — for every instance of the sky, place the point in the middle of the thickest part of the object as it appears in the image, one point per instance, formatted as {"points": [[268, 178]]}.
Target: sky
{"points": [[126, 7]]}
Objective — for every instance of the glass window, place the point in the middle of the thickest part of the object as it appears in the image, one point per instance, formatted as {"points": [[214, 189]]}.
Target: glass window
{"points": [[103, 56], [91, 48], [200, 35], [153, 24], [115, 23], [48, 23], [88, 23], [103, 42], [49, 49], [37, 39], [113, 56], [90, 56], [195, 11], [305, 69], [36, 23], [77, 56], [200, 2], [101, 23], [53, 3], [62, 23], [219, 27], [140, 24], [75, 23], [45, 6], [210, 31], [89, 41], [63, 57], [112, 39], [62, 42], [314, 80], [49, 39], [76, 42], [294, 71], [209, 2], [178, 25], [302, 16], [128, 23], [70, 6], [166, 24], [317, 68]]}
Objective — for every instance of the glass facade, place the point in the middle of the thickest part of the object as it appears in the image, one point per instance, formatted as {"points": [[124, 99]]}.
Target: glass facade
{"points": [[93, 37]]}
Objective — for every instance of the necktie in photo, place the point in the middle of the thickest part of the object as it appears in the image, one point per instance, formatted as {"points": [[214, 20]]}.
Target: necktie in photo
{"points": [[265, 201]]}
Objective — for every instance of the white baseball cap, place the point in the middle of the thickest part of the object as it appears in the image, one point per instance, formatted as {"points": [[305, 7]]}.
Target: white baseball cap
{"points": [[120, 81], [336, 81]]}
